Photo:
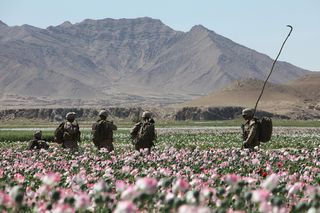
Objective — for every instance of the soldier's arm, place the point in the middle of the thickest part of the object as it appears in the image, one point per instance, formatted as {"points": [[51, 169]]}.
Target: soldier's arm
{"points": [[136, 128], [78, 133], [244, 136], [153, 132], [252, 133], [31, 145], [135, 131], [114, 127]]}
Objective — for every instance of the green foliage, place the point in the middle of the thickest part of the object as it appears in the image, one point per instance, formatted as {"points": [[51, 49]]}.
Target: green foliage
{"points": [[19, 136], [181, 140]]}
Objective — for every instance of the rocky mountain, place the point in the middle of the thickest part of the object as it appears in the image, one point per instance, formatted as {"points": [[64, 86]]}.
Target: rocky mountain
{"points": [[124, 61]]}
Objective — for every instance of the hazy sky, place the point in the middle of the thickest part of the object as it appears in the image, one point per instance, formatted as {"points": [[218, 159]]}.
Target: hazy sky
{"points": [[257, 24]]}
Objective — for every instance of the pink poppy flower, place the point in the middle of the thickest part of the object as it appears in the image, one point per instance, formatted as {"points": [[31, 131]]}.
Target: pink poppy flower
{"points": [[265, 207], [187, 209], [5, 199], [295, 188], [255, 161], [271, 182], [82, 201], [224, 164], [126, 169], [63, 208], [193, 209], [42, 207], [235, 211], [260, 195], [280, 165], [165, 171], [43, 190], [121, 186], [130, 193], [99, 186], [134, 172], [19, 178], [147, 185], [232, 179], [51, 179], [180, 186], [125, 207]]}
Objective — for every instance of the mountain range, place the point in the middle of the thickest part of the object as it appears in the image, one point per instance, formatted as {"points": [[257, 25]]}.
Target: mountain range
{"points": [[123, 62]]}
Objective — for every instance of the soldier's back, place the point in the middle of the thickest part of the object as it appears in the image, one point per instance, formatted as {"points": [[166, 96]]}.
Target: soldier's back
{"points": [[146, 135]]}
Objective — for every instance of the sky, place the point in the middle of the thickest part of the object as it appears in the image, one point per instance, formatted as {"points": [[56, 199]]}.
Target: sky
{"points": [[257, 24]]}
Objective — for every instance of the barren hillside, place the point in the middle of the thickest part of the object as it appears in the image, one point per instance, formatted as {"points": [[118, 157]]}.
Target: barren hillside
{"points": [[294, 99]]}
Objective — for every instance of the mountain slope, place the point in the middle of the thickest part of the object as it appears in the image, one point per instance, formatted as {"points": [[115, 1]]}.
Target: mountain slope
{"points": [[294, 99], [115, 59]]}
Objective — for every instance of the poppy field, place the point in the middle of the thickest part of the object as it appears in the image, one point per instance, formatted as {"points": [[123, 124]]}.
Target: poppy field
{"points": [[189, 170]]}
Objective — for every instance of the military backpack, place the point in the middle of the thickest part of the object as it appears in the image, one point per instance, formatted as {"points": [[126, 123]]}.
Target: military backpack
{"points": [[58, 133], [264, 129], [101, 130], [147, 132]]}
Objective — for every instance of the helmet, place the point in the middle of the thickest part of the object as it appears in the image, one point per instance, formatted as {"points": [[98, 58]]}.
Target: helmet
{"points": [[247, 112], [37, 134], [103, 113], [70, 114], [146, 114]]}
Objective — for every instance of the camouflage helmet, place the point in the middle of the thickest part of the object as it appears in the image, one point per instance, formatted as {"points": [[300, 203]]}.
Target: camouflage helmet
{"points": [[247, 112], [103, 113], [70, 114], [146, 114], [37, 134]]}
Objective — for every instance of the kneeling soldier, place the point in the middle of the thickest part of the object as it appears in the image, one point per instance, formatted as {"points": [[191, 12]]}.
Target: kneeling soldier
{"points": [[37, 142], [250, 130]]}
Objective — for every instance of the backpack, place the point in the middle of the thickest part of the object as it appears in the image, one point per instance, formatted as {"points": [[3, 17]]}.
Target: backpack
{"points": [[264, 129], [100, 131], [147, 132], [58, 133], [135, 131]]}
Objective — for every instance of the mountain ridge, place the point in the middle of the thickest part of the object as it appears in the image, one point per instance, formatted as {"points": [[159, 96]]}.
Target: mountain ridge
{"points": [[129, 57]]}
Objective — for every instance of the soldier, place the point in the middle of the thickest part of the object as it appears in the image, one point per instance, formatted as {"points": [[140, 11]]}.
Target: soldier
{"points": [[250, 129], [68, 133], [102, 131], [143, 133], [37, 142]]}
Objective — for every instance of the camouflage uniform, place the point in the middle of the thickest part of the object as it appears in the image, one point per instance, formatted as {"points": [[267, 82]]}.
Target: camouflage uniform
{"points": [[104, 138], [250, 130], [143, 133], [37, 142], [71, 132]]}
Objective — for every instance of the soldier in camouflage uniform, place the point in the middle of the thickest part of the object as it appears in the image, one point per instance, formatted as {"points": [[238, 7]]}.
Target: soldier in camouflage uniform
{"points": [[250, 129], [143, 133], [37, 142], [71, 132], [102, 131]]}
